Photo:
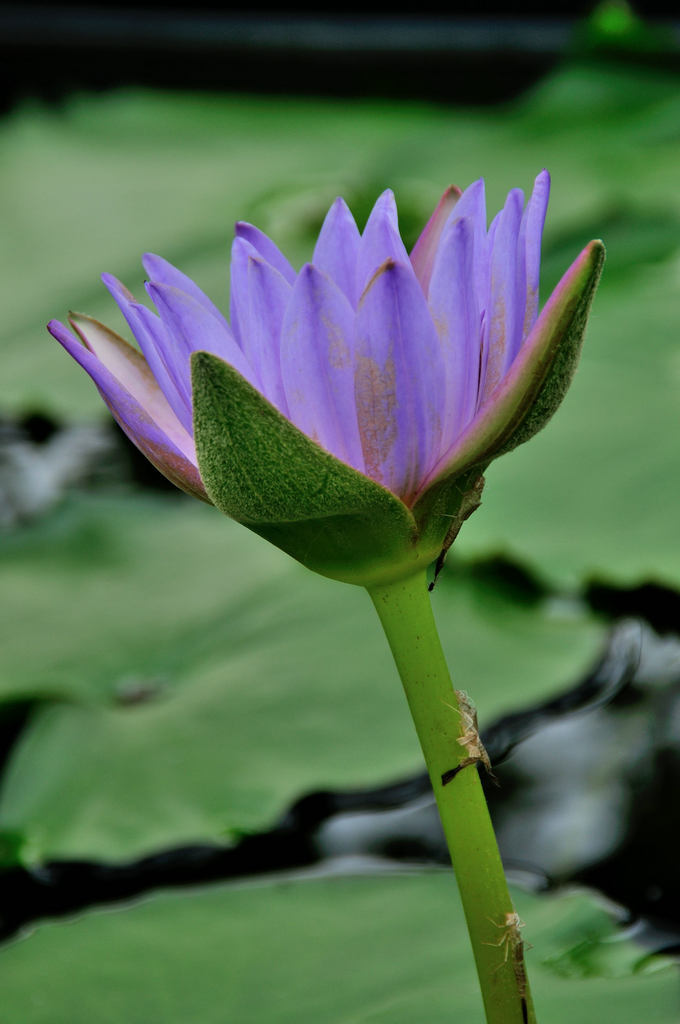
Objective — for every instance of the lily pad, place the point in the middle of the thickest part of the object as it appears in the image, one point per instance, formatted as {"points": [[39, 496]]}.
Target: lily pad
{"points": [[200, 679], [92, 186], [334, 950]]}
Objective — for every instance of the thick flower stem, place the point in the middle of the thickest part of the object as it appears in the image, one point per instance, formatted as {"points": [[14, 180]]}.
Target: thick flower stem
{"points": [[406, 615]]}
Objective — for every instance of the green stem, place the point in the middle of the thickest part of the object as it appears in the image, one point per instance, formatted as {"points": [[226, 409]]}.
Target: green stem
{"points": [[406, 616]]}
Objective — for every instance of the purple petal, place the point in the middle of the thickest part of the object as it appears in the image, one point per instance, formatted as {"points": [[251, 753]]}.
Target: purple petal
{"points": [[317, 364], [505, 310], [191, 328], [399, 381], [493, 227], [425, 250], [380, 241], [531, 233], [261, 315], [172, 360], [130, 369], [266, 248], [152, 339], [130, 391], [456, 314], [472, 205], [513, 399], [241, 251], [162, 272], [337, 248]]}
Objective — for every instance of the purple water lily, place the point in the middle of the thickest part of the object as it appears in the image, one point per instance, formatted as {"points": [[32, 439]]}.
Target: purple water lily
{"points": [[385, 360], [348, 394]]}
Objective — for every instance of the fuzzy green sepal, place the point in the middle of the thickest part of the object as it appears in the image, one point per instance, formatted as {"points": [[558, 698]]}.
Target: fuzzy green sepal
{"points": [[260, 470]]}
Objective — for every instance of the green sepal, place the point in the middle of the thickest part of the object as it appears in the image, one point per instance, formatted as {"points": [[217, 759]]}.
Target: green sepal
{"points": [[562, 324], [260, 470], [449, 503]]}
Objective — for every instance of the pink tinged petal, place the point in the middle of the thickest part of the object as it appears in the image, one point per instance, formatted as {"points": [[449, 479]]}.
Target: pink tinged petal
{"points": [[425, 250], [153, 341], [399, 381], [337, 248], [134, 374], [173, 360], [318, 365], [381, 240], [505, 310], [531, 233], [456, 316], [192, 329], [162, 272], [266, 248], [261, 318], [137, 403]]}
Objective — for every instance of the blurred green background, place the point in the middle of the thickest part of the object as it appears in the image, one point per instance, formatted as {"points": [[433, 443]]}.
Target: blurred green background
{"points": [[262, 681]]}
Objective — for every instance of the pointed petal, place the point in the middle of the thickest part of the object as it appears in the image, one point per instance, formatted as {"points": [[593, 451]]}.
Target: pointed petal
{"points": [[172, 359], [162, 272], [538, 379], [531, 233], [317, 364], [456, 314], [381, 240], [192, 328], [399, 381], [472, 205], [267, 295], [507, 296], [137, 403], [425, 250], [266, 248], [153, 341], [241, 250], [493, 227], [130, 369], [337, 248]]}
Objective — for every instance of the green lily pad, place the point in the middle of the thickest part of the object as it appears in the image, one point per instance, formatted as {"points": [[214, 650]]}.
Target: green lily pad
{"points": [[338, 950], [172, 173], [92, 186], [193, 680], [199, 679], [196, 680]]}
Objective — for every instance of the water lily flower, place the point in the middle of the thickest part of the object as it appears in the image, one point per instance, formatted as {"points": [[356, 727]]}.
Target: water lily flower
{"points": [[348, 411]]}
